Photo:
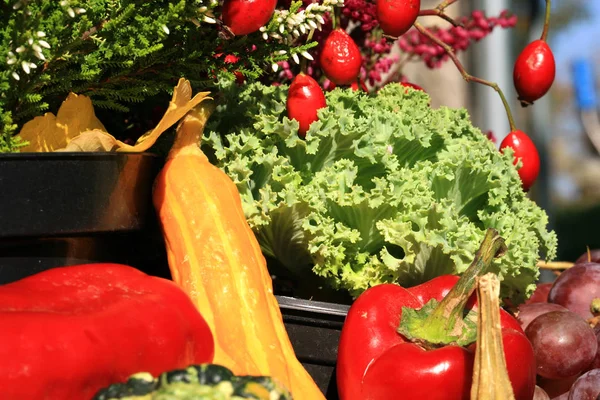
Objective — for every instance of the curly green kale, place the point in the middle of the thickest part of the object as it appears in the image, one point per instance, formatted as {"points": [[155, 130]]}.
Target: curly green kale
{"points": [[383, 189]]}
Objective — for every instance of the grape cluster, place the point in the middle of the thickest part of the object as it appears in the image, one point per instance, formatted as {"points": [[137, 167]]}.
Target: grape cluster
{"points": [[471, 29], [564, 332]]}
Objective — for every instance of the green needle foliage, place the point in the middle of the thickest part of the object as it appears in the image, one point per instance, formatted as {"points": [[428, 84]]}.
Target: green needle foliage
{"points": [[120, 53]]}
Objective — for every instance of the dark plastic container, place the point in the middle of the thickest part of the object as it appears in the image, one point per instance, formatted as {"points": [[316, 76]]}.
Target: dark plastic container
{"points": [[314, 329], [69, 208]]}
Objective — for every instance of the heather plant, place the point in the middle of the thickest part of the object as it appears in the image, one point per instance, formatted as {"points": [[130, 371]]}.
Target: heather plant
{"points": [[121, 53]]}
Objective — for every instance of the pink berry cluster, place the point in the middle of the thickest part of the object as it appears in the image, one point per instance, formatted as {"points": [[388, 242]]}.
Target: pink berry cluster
{"points": [[472, 29], [362, 12], [376, 58]]}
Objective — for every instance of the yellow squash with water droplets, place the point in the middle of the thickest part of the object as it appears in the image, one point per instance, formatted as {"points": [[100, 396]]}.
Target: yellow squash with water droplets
{"points": [[215, 257]]}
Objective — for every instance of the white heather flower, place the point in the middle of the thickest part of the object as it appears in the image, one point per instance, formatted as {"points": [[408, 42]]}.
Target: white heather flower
{"points": [[64, 3], [36, 47], [11, 59], [39, 55], [16, 76], [80, 11], [296, 58], [275, 67], [282, 52], [44, 44], [265, 36], [32, 66], [30, 41], [166, 29], [25, 66], [209, 20], [20, 49], [307, 55], [40, 34], [202, 9], [71, 12]]}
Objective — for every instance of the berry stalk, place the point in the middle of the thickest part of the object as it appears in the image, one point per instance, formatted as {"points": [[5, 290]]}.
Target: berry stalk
{"points": [[466, 76], [546, 20], [445, 4], [439, 13]]}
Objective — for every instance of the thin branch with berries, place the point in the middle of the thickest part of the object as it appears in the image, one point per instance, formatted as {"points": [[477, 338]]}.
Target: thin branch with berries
{"points": [[466, 76]]}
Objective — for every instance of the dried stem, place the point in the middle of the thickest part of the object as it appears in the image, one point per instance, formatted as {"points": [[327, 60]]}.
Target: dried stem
{"points": [[466, 76], [441, 14], [490, 377], [555, 265], [547, 20]]}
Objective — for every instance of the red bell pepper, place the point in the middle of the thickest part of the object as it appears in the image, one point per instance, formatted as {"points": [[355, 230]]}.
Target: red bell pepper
{"points": [[67, 332], [388, 350]]}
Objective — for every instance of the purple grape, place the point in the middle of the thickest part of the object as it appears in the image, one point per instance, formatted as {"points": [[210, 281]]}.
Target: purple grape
{"points": [[540, 394], [594, 257], [596, 362], [564, 344], [575, 288], [540, 294], [586, 387], [529, 312]]}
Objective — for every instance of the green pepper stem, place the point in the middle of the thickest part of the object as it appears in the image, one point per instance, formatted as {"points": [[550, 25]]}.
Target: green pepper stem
{"points": [[449, 312]]}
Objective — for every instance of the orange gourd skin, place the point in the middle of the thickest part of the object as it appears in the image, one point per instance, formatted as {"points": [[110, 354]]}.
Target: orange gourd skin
{"points": [[214, 256]]}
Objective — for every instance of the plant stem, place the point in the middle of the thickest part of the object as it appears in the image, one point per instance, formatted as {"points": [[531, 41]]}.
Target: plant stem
{"points": [[445, 4], [439, 13], [546, 20], [450, 310], [490, 377], [304, 60], [466, 76]]}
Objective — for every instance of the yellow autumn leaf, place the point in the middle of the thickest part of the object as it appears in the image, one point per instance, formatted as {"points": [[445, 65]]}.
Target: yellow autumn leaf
{"points": [[50, 132], [76, 127], [181, 103]]}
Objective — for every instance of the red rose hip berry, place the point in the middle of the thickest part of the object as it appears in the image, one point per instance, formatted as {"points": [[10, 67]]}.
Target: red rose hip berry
{"points": [[523, 149], [305, 98], [534, 72], [243, 17], [396, 17], [340, 58]]}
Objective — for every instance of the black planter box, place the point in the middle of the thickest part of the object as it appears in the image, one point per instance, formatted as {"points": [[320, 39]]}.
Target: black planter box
{"points": [[314, 329], [68, 208]]}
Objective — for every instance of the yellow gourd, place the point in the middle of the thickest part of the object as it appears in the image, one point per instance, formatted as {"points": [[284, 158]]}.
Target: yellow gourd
{"points": [[214, 256]]}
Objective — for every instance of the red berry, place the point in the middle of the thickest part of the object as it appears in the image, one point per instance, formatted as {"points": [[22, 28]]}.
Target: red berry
{"points": [[340, 58], [356, 85], [305, 98], [534, 72], [396, 17], [524, 150], [412, 85], [243, 17]]}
